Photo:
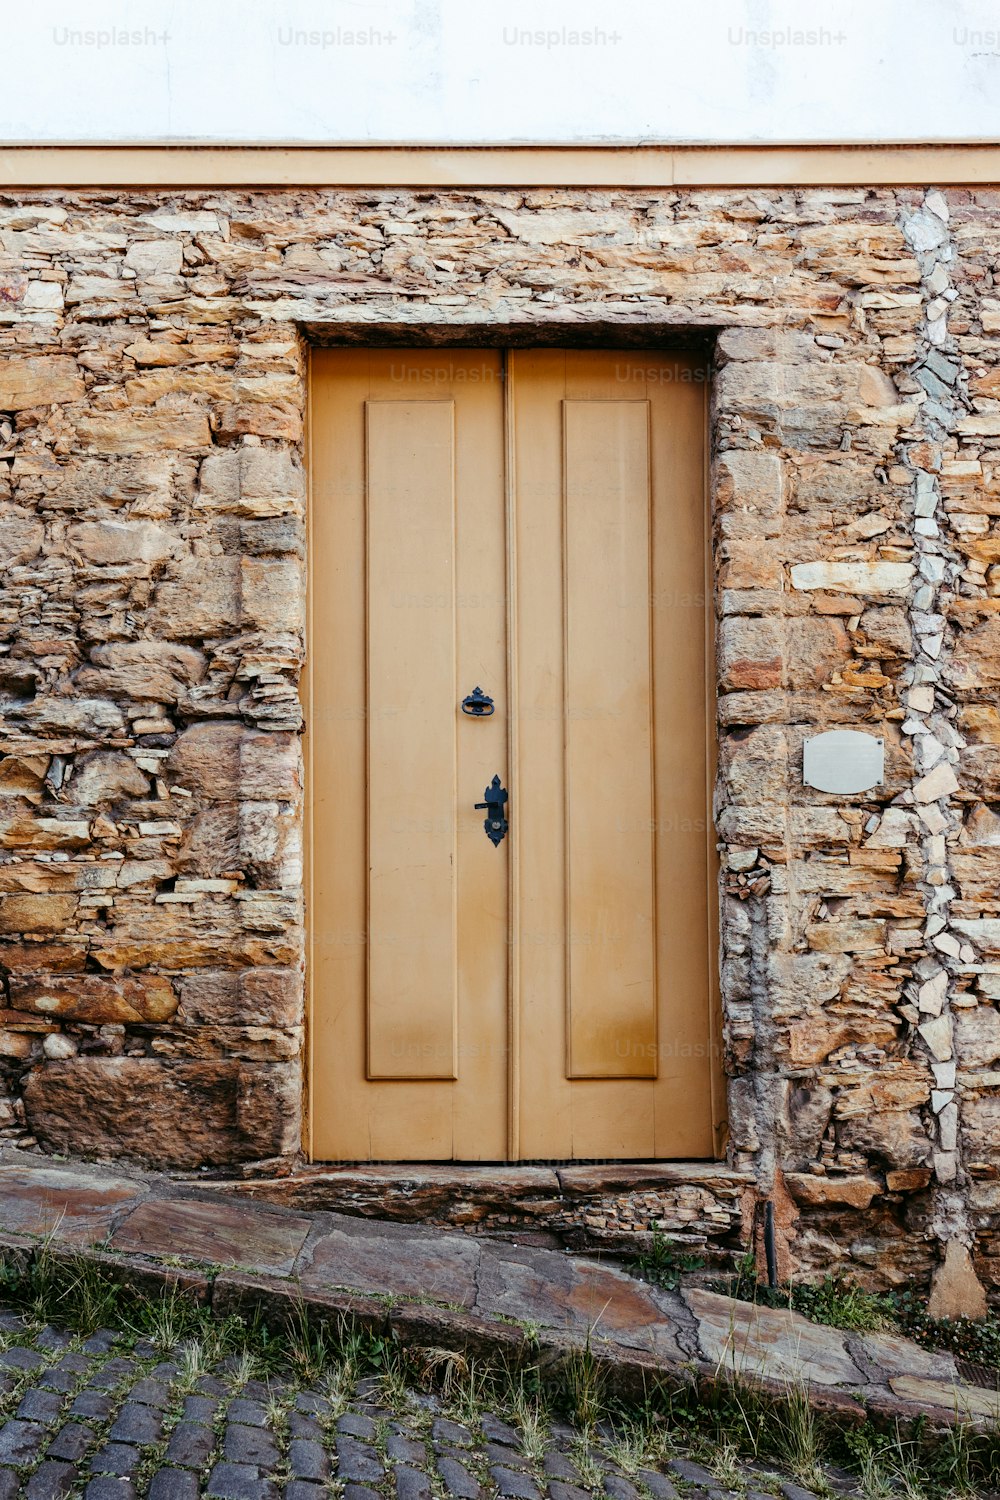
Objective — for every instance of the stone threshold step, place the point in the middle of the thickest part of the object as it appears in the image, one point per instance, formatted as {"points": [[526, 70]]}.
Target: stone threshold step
{"points": [[607, 1205]]}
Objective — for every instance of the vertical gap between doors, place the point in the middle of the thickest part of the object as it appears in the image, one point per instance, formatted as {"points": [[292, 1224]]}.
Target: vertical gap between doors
{"points": [[513, 775]]}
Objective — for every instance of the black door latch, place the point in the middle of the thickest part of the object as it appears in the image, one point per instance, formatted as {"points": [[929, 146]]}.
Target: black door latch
{"points": [[478, 705], [495, 822]]}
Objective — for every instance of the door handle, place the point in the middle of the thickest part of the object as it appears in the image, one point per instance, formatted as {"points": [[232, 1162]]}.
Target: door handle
{"points": [[495, 821], [478, 705]]}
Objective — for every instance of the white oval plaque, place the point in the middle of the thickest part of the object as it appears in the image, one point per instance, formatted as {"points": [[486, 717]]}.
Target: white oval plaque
{"points": [[843, 760]]}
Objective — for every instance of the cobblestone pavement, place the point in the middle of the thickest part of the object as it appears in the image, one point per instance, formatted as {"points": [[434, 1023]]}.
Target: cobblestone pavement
{"points": [[108, 1418]]}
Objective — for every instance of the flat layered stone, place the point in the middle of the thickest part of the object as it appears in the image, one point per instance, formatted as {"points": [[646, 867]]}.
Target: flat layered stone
{"points": [[964, 1401], [77, 1206], [754, 1341], [394, 1258], [412, 1195], [898, 1356], [39, 380], [218, 1232], [630, 1177], [97, 998], [574, 1296]]}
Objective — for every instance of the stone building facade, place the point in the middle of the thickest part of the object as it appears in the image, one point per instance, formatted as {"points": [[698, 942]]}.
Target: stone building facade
{"points": [[153, 388]]}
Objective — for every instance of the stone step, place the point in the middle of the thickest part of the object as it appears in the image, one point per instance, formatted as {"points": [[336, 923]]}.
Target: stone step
{"points": [[612, 1206]]}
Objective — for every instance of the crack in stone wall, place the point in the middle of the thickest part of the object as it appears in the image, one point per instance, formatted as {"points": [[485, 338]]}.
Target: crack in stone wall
{"points": [[931, 712]]}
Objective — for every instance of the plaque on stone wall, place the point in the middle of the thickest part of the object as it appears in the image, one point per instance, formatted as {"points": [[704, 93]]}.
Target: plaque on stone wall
{"points": [[843, 760]]}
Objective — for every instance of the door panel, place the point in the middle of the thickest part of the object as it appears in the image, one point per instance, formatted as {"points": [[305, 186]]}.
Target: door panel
{"points": [[408, 914], [412, 749], [608, 788], [610, 642], [549, 998]]}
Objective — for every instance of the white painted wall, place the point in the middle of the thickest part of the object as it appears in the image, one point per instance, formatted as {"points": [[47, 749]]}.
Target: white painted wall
{"points": [[332, 71]]}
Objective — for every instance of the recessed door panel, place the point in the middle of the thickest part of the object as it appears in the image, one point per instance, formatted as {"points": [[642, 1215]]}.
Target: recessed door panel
{"points": [[412, 756], [608, 789]]}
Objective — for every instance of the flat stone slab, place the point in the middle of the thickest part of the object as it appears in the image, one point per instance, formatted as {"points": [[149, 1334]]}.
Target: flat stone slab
{"points": [[630, 1176], [224, 1233], [407, 1194], [898, 1356], [964, 1401], [436, 1265], [574, 1296], [79, 1207], [751, 1341]]}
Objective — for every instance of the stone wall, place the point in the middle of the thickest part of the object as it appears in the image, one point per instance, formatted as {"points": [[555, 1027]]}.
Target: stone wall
{"points": [[152, 401]]}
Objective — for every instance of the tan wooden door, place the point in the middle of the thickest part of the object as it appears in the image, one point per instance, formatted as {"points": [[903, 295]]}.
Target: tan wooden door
{"points": [[541, 536]]}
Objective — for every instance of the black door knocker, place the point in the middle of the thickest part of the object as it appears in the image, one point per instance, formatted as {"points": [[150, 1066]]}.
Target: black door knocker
{"points": [[477, 705], [495, 822]]}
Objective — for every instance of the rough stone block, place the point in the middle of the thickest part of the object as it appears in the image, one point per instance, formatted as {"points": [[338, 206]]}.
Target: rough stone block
{"points": [[751, 653], [869, 579], [977, 1037], [155, 257], [97, 998], [107, 776], [121, 542], [39, 380], [242, 997], [223, 761], [167, 1114], [21, 535], [36, 913], [124, 433], [200, 598], [750, 482], [273, 593], [153, 670]]}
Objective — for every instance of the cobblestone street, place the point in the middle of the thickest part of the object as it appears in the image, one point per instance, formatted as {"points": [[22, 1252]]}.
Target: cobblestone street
{"points": [[108, 1418]]}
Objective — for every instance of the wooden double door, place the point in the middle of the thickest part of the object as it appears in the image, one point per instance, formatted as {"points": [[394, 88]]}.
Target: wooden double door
{"points": [[527, 528]]}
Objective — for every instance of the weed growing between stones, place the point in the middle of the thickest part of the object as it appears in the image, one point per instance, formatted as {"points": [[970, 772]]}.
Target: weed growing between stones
{"points": [[445, 1368], [583, 1386], [839, 1302], [664, 1264], [974, 1339], [836, 1301], [903, 1464]]}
